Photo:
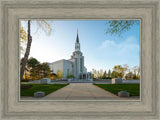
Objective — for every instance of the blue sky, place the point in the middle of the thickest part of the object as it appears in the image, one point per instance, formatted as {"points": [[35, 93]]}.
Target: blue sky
{"points": [[100, 50]]}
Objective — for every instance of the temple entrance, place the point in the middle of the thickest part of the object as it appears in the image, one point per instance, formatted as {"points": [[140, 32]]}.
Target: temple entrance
{"points": [[86, 76]]}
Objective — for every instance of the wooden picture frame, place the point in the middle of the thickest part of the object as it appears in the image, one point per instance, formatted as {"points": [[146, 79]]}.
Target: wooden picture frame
{"points": [[145, 10]]}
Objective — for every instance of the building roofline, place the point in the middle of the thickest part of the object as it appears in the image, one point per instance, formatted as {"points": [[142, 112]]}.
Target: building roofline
{"points": [[58, 61]]}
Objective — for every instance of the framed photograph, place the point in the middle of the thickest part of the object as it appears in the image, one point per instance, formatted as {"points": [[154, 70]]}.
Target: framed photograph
{"points": [[92, 72], [80, 59]]}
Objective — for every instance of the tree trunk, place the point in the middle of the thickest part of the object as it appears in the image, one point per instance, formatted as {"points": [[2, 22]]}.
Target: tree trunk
{"points": [[27, 52]]}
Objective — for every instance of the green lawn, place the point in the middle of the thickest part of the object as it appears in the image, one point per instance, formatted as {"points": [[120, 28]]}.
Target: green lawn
{"points": [[133, 89], [47, 88]]}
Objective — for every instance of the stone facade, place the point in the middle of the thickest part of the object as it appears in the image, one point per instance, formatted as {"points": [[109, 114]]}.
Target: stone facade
{"points": [[74, 66]]}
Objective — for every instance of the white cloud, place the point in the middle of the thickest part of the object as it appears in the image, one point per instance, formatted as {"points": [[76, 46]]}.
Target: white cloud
{"points": [[118, 52]]}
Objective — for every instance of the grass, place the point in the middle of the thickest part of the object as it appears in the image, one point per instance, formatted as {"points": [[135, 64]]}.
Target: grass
{"points": [[133, 89], [47, 88]]}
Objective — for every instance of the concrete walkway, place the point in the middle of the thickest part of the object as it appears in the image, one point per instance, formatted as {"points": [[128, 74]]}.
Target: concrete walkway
{"points": [[83, 91]]}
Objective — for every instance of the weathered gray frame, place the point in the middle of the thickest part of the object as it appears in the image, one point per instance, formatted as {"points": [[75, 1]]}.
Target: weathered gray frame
{"points": [[145, 10]]}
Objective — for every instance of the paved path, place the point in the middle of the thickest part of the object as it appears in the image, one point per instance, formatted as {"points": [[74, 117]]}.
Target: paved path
{"points": [[83, 91]]}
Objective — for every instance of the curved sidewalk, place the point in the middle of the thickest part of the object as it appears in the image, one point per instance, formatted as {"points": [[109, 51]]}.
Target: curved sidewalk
{"points": [[83, 91]]}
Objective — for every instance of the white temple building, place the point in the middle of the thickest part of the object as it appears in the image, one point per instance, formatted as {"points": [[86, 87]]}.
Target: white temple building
{"points": [[73, 66]]}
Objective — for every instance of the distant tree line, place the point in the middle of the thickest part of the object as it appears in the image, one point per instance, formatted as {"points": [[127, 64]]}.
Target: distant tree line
{"points": [[35, 70], [118, 71]]}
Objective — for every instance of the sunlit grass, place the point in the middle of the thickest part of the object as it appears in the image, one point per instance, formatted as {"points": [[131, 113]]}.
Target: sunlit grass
{"points": [[133, 89], [47, 88]]}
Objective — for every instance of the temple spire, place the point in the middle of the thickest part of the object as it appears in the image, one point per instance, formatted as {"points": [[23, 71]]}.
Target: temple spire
{"points": [[77, 44], [77, 39]]}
